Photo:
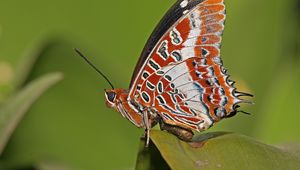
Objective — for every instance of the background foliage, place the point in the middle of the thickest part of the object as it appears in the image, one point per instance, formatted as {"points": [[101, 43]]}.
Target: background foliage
{"points": [[70, 123]]}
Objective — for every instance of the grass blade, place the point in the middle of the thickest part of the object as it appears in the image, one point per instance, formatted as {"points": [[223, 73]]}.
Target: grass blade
{"points": [[14, 109]]}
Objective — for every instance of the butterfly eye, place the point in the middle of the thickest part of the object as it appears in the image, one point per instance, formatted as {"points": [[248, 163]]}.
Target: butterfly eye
{"points": [[110, 96]]}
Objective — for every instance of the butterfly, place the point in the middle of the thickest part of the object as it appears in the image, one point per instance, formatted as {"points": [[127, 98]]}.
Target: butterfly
{"points": [[179, 81]]}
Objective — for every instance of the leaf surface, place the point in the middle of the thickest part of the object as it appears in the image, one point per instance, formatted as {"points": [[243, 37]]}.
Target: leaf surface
{"points": [[221, 150]]}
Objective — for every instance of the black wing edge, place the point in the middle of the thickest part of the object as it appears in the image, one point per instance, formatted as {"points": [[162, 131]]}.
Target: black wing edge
{"points": [[169, 19]]}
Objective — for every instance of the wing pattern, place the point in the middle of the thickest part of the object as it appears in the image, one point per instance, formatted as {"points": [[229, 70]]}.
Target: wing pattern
{"points": [[183, 79]]}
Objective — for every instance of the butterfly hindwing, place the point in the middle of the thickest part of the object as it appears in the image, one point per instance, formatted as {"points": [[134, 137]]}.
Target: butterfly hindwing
{"points": [[180, 72]]}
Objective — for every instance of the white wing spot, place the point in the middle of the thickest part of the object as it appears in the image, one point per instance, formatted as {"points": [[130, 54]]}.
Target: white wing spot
{"points": [[184, 3], [195, 20]]}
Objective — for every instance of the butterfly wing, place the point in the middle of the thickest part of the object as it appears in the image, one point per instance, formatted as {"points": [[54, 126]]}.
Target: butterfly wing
{"points": [[169, 19], [180, 73]]}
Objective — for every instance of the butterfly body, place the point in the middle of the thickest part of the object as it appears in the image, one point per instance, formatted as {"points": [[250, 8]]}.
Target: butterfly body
{"points": [[179, 80]]}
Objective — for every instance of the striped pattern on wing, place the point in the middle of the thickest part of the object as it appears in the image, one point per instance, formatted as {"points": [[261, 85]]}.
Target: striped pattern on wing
{"points": [[183, 79]]}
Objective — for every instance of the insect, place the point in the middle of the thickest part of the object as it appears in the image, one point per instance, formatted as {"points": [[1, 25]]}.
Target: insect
{"points": [[179, 81]]}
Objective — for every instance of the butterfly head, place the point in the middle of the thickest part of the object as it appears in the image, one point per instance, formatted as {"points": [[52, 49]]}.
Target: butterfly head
{"points": [[115, 97], [118, 100], [110, 96]]}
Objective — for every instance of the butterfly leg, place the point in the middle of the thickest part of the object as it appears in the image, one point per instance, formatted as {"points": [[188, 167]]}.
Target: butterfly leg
{"points": [[181, 133], [148, 126]]}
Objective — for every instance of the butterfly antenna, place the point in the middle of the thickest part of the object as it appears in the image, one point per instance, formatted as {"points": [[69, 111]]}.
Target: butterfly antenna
{"points": [[94, 67]]}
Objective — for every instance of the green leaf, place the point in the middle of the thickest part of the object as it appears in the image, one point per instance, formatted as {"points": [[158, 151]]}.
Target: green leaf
{"points": [[14, 109], [218, 150], [6, 76], [293, 148], [30, 58], [149, 157]]}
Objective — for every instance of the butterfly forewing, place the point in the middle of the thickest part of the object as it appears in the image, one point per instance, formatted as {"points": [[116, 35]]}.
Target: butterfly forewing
{"points": [[180, 72], [170, 18]]}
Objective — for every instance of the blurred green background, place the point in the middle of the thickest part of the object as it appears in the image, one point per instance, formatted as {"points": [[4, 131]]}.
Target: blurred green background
{"points": [[70, 123]]}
